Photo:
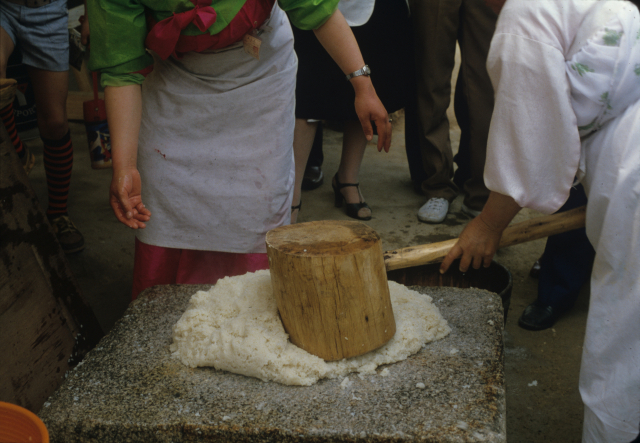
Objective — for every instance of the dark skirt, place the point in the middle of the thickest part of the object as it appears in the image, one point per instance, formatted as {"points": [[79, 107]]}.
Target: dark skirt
{"points": [[322, 91]]}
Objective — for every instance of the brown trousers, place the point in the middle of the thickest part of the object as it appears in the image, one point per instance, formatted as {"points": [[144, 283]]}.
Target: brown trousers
{"points": [[437, 25]]}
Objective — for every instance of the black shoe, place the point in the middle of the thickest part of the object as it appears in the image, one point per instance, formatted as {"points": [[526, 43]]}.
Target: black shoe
{"points": [[537, 317], [353, 209], [68, 235], [313, 178]]}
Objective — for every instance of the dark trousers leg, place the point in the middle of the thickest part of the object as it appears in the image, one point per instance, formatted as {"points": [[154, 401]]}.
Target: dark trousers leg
{"points": [[412, 144], [566, 262], [435, 28], [473, 103], [463, 156]]}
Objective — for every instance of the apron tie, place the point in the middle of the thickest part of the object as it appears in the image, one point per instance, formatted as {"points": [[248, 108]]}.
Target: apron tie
{"points": [[163, 37]]}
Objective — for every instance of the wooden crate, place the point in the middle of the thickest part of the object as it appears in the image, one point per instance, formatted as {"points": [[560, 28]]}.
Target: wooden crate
{"points": [[46, 327]]}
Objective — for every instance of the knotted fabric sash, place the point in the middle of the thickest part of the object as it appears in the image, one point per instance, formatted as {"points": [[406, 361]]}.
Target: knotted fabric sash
{"points": [[165, 37]]}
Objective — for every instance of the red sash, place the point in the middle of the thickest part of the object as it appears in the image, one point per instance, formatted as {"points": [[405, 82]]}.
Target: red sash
{"points": [[165, 38]]}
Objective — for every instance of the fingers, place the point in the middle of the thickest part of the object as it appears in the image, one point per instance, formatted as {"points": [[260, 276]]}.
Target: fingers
{"points": [[477, 262], [127, 209], [453, 254], [465, 261], [119, 213], [384, 134], [139, 214], [367, 128]]}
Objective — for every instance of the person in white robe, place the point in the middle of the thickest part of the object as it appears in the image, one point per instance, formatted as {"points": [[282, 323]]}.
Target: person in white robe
{"points": [[566, 75]]}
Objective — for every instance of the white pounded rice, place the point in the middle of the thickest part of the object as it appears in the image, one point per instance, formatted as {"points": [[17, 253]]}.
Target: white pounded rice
{"points": [[235, 327]]}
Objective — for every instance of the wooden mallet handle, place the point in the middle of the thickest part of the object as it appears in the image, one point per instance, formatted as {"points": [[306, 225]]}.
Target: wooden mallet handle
{"points": [[532, 229]]}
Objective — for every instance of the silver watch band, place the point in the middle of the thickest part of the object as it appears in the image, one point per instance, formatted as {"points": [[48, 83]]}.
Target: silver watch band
{"points": [[362, 71]]}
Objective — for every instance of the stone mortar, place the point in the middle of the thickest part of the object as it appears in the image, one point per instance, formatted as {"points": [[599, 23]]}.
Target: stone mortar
{"points": [[130, 389]]}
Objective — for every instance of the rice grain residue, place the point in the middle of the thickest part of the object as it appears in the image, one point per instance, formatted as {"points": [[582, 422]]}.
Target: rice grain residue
{"points": [[235, 327]]}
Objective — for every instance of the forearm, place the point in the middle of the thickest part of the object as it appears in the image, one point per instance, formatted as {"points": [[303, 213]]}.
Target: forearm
{"points": [[498, 212], [336, 37], [124, 111]]}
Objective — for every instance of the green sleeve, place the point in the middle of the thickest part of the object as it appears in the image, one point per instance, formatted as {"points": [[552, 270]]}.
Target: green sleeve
{"points": [[109, 79], [118, 31], [309, 14]]}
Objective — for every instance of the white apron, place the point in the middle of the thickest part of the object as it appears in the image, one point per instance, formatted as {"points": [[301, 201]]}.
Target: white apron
{"points": [[579, 114], [216, 145]]}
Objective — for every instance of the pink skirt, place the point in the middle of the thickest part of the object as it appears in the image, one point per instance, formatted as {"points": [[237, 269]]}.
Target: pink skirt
{"points": [[157, 265]]}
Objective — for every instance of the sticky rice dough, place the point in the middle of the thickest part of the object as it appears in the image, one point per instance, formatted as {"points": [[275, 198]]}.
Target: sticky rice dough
{"points": [[235, 327]]}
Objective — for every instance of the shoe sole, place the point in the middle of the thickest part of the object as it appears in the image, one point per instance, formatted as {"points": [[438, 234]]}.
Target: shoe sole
{"points": [[470, 212], [432, 222], [530, 327], [73, 250], [312, 186]]}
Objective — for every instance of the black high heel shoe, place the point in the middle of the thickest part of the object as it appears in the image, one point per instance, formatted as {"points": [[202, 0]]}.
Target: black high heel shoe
{"points": [[352, 208]]}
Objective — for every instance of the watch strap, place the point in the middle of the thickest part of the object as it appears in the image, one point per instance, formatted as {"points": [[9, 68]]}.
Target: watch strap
{"points": [[365, 70]]}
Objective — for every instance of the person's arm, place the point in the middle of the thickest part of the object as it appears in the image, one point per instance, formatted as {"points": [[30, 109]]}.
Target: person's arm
{"points": [[124, 110], [84, 26], [479, 240], [336, 37]]}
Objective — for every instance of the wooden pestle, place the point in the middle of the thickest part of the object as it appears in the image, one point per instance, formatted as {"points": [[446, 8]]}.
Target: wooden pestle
{"points": [[532, 229]]}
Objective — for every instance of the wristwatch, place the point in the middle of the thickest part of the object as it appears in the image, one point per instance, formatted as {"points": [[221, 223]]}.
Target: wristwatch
{"points": [[363, 71]]}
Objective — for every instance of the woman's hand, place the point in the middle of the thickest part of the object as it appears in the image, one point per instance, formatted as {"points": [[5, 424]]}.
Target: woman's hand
{"points": [[369, 108], [126, 200]]}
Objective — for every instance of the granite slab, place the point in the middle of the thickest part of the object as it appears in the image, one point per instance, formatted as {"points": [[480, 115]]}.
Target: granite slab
{"points": [[130, 389]]}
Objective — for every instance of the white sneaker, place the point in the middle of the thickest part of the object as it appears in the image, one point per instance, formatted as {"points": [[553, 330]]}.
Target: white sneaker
{"points": [[470, 212], [434, 210]]}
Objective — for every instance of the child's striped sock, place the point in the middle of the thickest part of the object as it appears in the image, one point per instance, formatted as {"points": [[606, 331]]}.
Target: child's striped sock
{"points": [[9, 122], [58, 162]]}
